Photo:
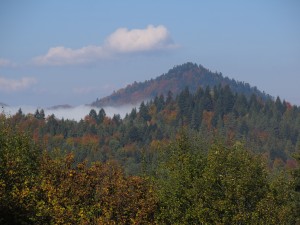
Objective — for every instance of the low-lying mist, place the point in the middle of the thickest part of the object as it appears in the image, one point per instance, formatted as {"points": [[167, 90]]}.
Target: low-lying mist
{"points": [[72, 113]]}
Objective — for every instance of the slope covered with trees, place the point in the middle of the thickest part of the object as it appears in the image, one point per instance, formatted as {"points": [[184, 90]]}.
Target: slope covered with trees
{"points": [[266, 127], [40, 187], [192, 182], [212, 156], [175, 80]]}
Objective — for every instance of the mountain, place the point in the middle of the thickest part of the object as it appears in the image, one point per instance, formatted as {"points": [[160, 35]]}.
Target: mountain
{"points": [[175, 80]]}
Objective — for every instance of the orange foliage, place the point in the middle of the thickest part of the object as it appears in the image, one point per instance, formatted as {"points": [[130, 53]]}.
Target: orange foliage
{"points": [[107, 121], [230, 136], [169, 115], [90, 139], [262, 135], [207, 116], [116, 135], [45, 139], [155, 144], [90, 120], [130, 148], [289, 106], [291, 164], [36, 137], [153, 111]]}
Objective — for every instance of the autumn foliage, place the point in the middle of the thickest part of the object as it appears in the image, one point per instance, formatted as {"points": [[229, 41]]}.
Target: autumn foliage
{"points": [[237, 162]]}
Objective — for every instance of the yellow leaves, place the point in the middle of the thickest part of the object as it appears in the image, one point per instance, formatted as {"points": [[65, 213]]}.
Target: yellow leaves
{"points": [[2, 187], [53, 190], [81, 166], [24, 193], [99, 194], [11, 172], [71, 173]]}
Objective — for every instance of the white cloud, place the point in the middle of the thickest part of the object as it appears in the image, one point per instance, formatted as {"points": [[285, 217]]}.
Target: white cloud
{"points": [[12, 85], [149, 39], [6, 63], [121, 41], [62, 56]]}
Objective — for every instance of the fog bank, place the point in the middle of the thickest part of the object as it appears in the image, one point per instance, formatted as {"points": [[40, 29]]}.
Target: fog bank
{"points": [[72, 113]]}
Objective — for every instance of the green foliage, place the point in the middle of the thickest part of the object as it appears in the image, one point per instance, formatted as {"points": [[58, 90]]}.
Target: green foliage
{"points": [[229, 185], [40, 115], [178, 180], [234, 182], [277, 205]]}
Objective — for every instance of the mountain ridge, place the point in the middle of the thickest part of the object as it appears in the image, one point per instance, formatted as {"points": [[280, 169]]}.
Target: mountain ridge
{"points": [[175, 80]]}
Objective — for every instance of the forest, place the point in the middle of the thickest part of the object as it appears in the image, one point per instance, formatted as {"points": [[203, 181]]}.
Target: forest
{"points": [[209, 156]]}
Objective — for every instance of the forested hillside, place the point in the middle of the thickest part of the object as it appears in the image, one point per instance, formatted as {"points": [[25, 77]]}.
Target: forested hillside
{"points": [[211, 156], [175, 80], [267, 127]]}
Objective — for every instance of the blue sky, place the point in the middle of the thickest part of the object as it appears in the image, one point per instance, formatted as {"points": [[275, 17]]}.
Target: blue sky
{"points": [[72, 52]]}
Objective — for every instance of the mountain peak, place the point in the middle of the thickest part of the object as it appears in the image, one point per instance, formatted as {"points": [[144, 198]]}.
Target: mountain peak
{"points": [[175, 80]]}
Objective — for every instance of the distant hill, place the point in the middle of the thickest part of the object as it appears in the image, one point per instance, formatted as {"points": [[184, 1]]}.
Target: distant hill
{"points": [[66, 106], [175, 80]]}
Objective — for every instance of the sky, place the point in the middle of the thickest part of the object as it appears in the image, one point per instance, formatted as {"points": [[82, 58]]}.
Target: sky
{"points": [[73, 52]]}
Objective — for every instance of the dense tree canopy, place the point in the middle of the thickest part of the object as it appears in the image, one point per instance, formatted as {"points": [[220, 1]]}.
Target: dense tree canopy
{"points": [[242, 167], [226, 185]]}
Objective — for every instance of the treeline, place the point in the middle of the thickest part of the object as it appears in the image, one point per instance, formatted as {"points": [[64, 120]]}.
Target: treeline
{"points": [[267, 127], [189, 181]]}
